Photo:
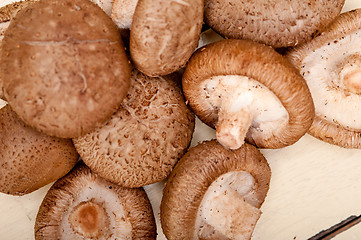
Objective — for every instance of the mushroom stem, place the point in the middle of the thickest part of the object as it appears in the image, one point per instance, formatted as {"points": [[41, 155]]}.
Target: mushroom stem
{"points": [[234, 120], [350, 73]]}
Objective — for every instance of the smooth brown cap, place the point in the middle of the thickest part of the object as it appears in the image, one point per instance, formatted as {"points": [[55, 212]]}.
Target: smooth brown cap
{"points": [[258, 62], [164, 34], [195, 172], [64, 68], [95, 209], [142, 142], [29, 159], [323, 129], [279, 23]]}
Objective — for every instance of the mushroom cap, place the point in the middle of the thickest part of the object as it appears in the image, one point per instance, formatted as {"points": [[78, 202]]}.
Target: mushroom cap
{"points": [[106, 5], [66, 73], [142, 142], [122, 12], [280, 23], [82, 205], [6, 13], [29, 159], [195, 173], [164, 34], [324, 63], [262, 64]]}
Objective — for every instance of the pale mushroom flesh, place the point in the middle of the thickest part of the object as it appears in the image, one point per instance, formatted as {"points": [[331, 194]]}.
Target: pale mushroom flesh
{"points": [[244, 107]]}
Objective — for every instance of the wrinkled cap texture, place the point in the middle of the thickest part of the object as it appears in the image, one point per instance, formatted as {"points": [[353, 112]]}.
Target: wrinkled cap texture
{"points": [[280, 23], [29, 159], [262, 64], [194, 174], [142, 142], [63, 67], [82, 205], [164, 34], [331, 66]]}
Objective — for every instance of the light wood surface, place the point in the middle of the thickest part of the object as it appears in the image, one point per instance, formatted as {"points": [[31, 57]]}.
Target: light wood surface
{"points": [[314, 185]]}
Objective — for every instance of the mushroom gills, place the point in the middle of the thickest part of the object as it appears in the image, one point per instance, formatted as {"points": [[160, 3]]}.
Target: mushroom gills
{"points": [[245, 107], [333, 75], [227, 210], [91, 218]]}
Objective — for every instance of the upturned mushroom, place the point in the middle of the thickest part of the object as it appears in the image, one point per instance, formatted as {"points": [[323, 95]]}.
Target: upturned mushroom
{"points": [[6, 14], [164, 34], [331, 66], [63, 66], [29, 159], [279, 23], [215, 193], [247, 90], [82, 205], [142, 142]]}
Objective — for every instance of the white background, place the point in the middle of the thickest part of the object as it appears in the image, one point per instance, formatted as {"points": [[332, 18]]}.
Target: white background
{"points": [[314, 185]]}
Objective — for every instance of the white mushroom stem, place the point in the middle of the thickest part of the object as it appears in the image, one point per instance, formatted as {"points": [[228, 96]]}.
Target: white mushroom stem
{"points": [[234, 119], [350, 73]]}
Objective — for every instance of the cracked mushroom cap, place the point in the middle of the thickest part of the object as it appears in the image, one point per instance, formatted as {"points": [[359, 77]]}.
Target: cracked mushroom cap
{"points": [[29, 159], [82, 205], [215, 193], [142, 142], [6, 14], [246, 89], [64, 68], [331, 66], [164, 34], [281, 23]]}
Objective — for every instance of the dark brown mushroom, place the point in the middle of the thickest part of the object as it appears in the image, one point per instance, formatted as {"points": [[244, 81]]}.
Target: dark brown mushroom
{"points": [[82, 205], [246, 89], [29, 159], [279, 23], [215, 193], [331, 66], [73, 73], [142, 142]]}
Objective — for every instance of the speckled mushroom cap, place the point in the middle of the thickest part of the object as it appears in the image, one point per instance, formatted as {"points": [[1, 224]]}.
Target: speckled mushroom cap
{"points": [[212, 183], [243, 88], [30, 160], [164, 34], [6, 13], [122, 12], [82, 205], [64, 68], [142, 142], [280, 23], [331, 66]]}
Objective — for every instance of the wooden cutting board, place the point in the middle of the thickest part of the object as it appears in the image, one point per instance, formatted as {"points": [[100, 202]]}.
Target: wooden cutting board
{"points": [[314, 185]]}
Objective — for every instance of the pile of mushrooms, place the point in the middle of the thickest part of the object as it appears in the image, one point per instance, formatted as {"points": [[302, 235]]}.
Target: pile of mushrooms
{"points": [[68, 78]]}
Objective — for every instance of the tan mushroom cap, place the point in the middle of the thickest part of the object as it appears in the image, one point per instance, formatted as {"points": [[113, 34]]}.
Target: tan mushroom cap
{"points": [[279, 23], [331, 66], [82, 205], [6, 13], [164, 34], [259, 63], [194, 175], [122, 12], [30, 160], [142, 142], [73, 73]]}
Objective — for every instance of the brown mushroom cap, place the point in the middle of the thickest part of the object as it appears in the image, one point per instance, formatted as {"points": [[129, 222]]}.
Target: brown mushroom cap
{"points": [[279, 23], [82, 205], [6, 13], [331, 66], [193, 176], [164, 34], [142, 142], [63, 67], [256, 62], [30, 160]]}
